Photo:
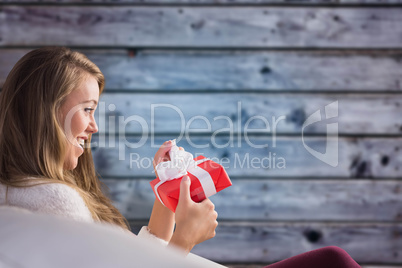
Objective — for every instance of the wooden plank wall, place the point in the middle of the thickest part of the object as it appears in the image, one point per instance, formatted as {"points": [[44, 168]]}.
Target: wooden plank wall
{"points": [[205, 69]]}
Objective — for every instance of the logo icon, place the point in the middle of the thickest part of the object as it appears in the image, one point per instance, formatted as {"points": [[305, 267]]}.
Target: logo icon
{"points": [[330, 156]]}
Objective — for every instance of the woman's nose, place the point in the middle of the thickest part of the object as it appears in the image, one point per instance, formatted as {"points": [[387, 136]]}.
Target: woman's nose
{"points": [[92, 127]]}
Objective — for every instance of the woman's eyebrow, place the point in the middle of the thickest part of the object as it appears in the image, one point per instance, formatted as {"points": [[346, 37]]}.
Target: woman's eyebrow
{"points": [[94, 101]]}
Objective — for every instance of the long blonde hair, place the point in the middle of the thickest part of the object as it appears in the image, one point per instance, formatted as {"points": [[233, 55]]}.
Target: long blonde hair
{"points": [[32, 141]]}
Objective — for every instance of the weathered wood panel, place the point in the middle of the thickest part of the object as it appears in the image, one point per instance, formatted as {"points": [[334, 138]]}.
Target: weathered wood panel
{"points": [[8, 58], [265, 243], [216, 2], [240, 70], [295, 201], [201, 26], [219, 70], [285, 157], [262, 242], [280, 200], [247, 112]]}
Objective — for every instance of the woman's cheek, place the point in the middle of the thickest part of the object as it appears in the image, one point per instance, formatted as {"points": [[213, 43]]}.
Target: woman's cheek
{"points": [[78, 125]]}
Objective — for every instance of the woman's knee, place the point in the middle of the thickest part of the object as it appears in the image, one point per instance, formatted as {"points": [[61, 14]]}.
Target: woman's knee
{"points": [[334, 250], [338, 255]]}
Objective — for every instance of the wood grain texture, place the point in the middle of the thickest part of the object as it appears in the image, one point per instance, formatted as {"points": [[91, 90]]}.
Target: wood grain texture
{"points": [[215, 2], [279, 200], [188, 70], [237, 70], [264, 243], [358, 157], [247, 112], [283, 201], [8, 58], [247, 27]]}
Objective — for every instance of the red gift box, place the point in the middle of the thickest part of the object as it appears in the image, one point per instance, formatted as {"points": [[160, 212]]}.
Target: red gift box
{"points": [[169, 191]]}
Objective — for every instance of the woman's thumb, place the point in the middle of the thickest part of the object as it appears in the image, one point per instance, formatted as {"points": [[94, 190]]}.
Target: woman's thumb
{"points": [[185, 189]]}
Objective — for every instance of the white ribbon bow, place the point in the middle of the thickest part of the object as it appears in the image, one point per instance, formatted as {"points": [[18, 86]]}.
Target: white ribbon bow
{"points": [[181, 163]]}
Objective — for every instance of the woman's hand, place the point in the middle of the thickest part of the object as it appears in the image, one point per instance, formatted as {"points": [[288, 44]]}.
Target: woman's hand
{"points": [[195, 222], [162, 154], [161, 222]]}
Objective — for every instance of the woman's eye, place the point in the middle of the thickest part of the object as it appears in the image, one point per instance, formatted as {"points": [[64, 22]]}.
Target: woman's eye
{"points": [[89, 110]]}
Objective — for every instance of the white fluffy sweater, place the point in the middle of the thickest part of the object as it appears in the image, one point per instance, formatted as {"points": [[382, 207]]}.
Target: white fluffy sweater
{"points": [[62, 200], [54, 199]]}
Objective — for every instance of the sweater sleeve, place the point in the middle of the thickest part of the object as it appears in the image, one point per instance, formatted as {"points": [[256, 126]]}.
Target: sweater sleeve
{"points": [[145, 233], [202, 262], [53, 198]]}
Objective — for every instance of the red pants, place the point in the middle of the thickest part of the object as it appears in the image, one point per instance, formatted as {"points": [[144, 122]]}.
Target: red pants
{"points": [[327, 257]]}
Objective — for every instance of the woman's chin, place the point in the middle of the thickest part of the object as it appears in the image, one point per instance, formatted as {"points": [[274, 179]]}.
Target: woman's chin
{"points": [[72, 156], [70, 164]]}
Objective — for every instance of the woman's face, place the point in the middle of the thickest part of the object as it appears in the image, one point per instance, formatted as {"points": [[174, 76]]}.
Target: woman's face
{"points": [[78, 122]]}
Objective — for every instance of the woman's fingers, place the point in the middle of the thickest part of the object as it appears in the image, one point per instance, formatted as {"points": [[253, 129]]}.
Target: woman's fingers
{"points": [[185, 190], [162, 154], [196, 222]]}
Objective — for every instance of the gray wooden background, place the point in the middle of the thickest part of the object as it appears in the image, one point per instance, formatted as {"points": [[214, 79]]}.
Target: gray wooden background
{"points": [[182, 66]]}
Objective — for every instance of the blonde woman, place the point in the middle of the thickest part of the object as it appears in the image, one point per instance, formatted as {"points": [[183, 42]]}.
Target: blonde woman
{"points": [[47, 109], [46, 122]]}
